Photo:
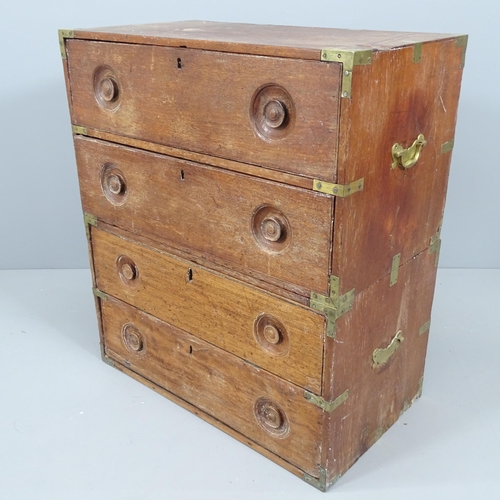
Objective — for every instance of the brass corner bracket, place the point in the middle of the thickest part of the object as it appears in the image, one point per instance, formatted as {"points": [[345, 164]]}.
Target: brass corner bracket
{"points": [[321, 482], [78, 130], [334, 305], [396, 260], [108, 360], [340, 190], [63, 34], [99, 294], [435, 247], [89, 220], [447, 146], [318, 482], [349, 59], [424, 328], [327, 406], [462, 41], [417, 53]]}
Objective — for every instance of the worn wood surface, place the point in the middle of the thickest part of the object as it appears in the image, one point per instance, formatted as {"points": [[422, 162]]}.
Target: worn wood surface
{"points": [[239, 343], [377, 396], [281, 289], [240, 436], [283, 41], [217, 383], [211, 212], [219, 310], [202, 101], [243, 168], [393, 101]]}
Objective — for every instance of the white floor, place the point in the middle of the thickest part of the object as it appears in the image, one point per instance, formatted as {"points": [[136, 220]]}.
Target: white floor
{"points": [[73, 428]]}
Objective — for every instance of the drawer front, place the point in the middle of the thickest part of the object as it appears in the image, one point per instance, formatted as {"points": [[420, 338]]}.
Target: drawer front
{"points": [[281, 337], [268, 230], [274, 112], [263, 407]]}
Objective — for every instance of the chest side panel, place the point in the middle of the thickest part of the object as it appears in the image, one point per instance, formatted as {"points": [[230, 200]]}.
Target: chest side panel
{"points": [[378, 355], [272, 112], [394, 101]]}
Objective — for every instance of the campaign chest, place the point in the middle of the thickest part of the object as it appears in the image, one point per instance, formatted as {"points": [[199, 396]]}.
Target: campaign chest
{"points": [[263, 206]]}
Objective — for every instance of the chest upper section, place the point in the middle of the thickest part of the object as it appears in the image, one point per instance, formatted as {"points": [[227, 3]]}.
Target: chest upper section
{"points": [[273, 112]]}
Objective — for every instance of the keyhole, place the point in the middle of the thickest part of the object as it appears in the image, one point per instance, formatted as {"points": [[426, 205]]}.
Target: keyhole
{"points": [[182, 175], [190, 275], [190, 349], [179, 63]]}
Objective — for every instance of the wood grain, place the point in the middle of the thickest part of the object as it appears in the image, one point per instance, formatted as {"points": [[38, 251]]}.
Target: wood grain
{"points": [[268, 40], [243, 168], [281, 289], [377, 396], [203, 309], [212, 420], [393, 101], [216, 382], [211, 212], [205, 105], [218, 310]]}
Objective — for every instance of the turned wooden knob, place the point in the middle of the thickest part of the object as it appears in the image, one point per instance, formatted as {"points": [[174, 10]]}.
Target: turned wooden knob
{"points": [[272, 416], [113, 183], [272, 334], [133, 338], [127, 269], [274, 114], [116, 184], [272, 228], [108, 89]]}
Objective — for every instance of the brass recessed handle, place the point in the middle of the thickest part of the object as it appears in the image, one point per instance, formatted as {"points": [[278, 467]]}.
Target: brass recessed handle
{"points": [[381, 356], [407, 158]]}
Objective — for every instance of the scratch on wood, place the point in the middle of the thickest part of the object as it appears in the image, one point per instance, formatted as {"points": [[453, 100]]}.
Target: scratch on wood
{"points": [[442, 103]]}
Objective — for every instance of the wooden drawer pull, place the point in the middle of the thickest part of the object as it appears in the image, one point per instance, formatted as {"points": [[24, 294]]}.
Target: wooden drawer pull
{"points": [[113, 184], [127, 269], [133, 339], [271, 335], [271, 417], [106, 88], [274, 113], [271, 229]]}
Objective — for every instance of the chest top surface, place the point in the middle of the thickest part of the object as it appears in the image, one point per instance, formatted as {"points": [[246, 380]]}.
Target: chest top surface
{"points": [[266, 40]]}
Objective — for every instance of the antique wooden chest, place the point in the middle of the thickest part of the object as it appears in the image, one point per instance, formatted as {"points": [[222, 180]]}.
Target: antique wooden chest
{"points": [[263, 207]]}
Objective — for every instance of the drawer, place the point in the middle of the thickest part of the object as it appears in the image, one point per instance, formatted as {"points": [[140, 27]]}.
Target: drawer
{"points": [[266, 409], [273, 112], [279, 336], [271, 231]]}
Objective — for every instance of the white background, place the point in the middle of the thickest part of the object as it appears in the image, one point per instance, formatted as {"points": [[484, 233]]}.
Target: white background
{"points": [[41, 221]]}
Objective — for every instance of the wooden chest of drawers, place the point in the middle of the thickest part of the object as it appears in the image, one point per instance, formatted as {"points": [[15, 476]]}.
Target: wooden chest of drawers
{"points": [[263, 206]]}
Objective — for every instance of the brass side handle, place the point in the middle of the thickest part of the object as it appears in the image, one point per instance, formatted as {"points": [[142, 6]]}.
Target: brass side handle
{"points": [[381, 356], [407, 158]]}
